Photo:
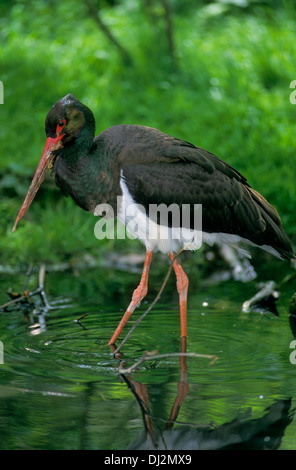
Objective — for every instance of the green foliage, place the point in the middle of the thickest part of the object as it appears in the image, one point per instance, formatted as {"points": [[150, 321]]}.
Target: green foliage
{"points": [[228, 91]]}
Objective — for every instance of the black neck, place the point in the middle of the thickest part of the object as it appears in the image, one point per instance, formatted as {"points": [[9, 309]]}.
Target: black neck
{"points": [[88, 175]]}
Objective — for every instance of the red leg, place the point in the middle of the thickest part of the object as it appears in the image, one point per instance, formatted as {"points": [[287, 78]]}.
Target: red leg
{"points": [[183, 387], [182, 287], [138, 296]]}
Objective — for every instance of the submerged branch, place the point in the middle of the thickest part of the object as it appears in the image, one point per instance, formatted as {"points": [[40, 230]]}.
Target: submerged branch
{"points": [[151, 356]]}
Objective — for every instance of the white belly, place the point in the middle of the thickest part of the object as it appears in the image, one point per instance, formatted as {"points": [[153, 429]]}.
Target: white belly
{"points": [[154, 236], [169, 239]]}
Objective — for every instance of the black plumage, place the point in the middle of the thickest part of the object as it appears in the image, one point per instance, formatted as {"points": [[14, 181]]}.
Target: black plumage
{"points": [[160, 169]]}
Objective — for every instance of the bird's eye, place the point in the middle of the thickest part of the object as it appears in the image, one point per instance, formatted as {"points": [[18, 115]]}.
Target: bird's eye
{"points": [[60, 126]]}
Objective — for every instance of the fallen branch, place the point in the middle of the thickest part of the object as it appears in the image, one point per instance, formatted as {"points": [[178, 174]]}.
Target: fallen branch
{"points": [[41, 290], [151, 356], [18, 299], [26, 294], [264, 301]]}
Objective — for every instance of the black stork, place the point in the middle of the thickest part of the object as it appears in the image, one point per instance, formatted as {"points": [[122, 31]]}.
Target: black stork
{"points": [[147, 167]]}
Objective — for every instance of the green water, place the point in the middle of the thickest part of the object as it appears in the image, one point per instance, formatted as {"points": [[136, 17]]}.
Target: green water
{"points": [[60, 387]]}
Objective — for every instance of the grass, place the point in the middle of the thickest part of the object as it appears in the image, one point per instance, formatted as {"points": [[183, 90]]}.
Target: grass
{"points": [[229, 94]]}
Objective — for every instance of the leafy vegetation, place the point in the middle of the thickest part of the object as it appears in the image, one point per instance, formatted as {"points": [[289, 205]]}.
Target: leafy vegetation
{"points": [[216, 74]]}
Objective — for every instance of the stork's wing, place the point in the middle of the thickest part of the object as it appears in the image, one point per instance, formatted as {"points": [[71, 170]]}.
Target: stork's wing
{"points": [[170, 170]]}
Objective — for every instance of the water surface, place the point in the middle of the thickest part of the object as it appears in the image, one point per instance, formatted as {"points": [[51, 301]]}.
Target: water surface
{"points": [[60, 386]]}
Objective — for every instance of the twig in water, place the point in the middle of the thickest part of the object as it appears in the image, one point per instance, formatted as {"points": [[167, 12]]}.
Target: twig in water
{"points": [[148, 356], [77, 320], [152, 304], [26, 294], [14, 301]]}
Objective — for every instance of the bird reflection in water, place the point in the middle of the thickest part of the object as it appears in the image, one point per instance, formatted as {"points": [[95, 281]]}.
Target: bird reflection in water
{"points": [[242, 433]]}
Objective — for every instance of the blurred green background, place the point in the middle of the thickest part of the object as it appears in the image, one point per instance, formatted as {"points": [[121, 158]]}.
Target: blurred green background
{"points": [[216, 74]]}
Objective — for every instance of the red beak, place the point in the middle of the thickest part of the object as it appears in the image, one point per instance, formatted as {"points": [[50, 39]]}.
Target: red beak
{"points": [[45, 164]]}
